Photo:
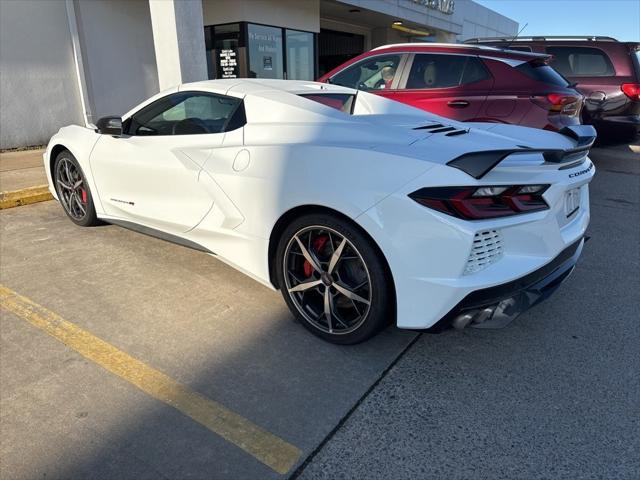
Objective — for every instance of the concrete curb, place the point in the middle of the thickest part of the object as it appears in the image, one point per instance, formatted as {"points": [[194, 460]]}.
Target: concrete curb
{"points": [[25, 196]]}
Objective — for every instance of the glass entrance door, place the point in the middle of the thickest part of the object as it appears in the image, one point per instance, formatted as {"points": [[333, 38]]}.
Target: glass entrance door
{"points": [[335, 48], [300, 57]]}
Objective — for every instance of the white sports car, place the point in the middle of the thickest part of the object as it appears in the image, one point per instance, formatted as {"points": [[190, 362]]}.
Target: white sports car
{"points": [[361, 210]]}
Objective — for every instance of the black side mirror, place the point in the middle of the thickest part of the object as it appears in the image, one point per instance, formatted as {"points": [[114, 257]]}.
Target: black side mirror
{"points": [[109, 126]]}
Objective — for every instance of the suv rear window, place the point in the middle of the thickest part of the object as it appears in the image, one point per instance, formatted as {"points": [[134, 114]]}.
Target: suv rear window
{"points": [[542, 72], [581, 61]]}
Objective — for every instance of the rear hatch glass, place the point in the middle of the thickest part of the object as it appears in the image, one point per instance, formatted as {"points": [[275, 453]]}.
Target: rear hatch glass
{"points": [[339, 101], [542, 72]]}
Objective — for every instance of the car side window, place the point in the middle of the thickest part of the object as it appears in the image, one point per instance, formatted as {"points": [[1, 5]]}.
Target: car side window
{"points": [[581, 61], [444, 71], [474, 71], [187, 113], [373, 73]]}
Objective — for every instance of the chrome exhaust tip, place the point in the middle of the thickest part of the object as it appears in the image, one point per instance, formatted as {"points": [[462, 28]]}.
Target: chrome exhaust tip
{"points": [[473, 318], [461, 321], [483, 315]]}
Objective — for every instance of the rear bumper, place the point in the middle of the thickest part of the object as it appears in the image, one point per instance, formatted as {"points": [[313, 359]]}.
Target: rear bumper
{"points": [[428, 252], [630, 120], [497, 306]]}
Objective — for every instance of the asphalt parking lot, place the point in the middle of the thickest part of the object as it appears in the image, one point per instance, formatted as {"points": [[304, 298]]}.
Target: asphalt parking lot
{"points": [[123, 356]]}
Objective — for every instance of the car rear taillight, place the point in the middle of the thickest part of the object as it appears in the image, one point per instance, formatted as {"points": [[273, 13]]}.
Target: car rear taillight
{"points": [[559, 103], [631, 90], [477, 203]]}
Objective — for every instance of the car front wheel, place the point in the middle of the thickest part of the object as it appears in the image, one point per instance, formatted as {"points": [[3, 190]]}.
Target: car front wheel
{"points": [[333, 279], [73, 190]]}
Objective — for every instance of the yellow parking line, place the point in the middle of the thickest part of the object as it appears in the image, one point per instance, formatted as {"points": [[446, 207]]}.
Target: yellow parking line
{"points": [[264, 446]]}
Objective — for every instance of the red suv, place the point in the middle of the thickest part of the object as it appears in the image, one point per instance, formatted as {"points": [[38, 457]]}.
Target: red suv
{"points": [[604, 70], [466, 82]]}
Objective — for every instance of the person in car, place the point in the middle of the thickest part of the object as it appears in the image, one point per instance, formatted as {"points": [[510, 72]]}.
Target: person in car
{"points": [[388, 73]]}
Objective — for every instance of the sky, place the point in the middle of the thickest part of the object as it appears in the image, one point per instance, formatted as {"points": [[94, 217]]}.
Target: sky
{"points": [[613, 18]]}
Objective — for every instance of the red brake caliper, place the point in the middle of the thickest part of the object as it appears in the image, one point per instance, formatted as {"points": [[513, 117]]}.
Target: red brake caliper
{"points": [[318, 244], [84, 196]]}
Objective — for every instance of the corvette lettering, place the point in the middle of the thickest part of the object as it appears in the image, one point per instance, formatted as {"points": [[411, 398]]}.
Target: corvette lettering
{"points": [[581, 172]]}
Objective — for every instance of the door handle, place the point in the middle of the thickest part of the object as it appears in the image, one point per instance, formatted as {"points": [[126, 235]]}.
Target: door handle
{"points": [[458, 103]]}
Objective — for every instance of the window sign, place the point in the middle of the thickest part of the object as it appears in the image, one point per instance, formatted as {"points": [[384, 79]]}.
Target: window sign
{"points": [[224, 44], [228, 61], [265, 52]]}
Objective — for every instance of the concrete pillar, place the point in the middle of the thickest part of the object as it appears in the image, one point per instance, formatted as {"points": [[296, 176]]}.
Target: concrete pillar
{"points": [[178, 37], [379, 37]]}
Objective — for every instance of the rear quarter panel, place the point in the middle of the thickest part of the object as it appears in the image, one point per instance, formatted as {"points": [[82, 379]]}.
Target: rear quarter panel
{"points": [[278, 178], [282, 177]]}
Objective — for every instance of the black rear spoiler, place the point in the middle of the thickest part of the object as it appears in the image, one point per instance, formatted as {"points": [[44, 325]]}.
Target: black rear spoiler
{"points": [[478, 164]]}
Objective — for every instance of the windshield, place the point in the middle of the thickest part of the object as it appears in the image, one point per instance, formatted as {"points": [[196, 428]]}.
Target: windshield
{"points": [[340, 101]]}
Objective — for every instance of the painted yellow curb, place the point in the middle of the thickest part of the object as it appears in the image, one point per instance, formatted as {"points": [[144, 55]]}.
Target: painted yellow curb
{"points": [[25, 196]]}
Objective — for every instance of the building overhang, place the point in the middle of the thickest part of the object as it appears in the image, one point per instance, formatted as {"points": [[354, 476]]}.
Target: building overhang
{"points": [[414, 14]]}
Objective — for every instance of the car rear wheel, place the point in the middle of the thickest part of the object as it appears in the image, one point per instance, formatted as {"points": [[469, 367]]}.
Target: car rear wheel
{"points": [[333, 279], [73, 190]]}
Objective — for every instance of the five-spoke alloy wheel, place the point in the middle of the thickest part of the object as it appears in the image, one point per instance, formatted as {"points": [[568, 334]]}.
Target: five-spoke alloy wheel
{"points": [[73, 190], [333, 279]]}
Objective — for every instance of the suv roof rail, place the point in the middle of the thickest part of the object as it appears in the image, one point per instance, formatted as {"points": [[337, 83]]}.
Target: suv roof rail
{"points": [[430, 44], [479, 47], [537, 38]]}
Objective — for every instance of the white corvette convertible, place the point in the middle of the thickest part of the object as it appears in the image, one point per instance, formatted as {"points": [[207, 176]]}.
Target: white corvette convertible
{"points": [[361, 210]]}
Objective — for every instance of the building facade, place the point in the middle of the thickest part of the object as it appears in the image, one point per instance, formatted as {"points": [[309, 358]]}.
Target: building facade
{"points": [[74, 61]]}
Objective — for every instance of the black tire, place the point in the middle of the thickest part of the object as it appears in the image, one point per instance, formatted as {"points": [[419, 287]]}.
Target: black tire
{"points": [[361, 269], [73, 190]]}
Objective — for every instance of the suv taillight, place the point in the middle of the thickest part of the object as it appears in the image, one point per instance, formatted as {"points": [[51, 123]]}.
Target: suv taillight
{"points": [[631, 90], [477, 203], [559, 103]]}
